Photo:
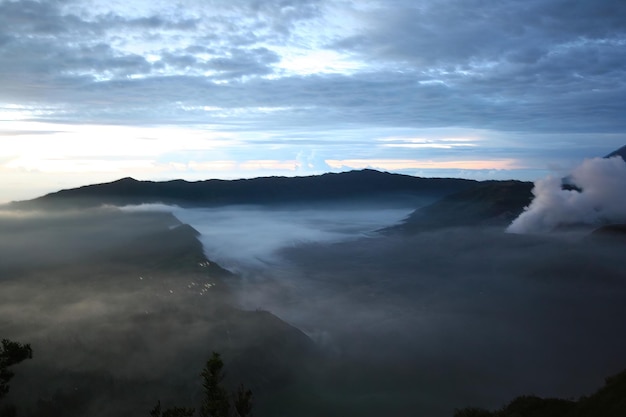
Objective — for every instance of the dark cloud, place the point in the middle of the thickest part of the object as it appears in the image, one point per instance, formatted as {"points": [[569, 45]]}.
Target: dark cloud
{"points": [[279, 15], [544, 66], [112, 21], [389, 99], [239, 63], [456, 32], [546, 61], [33, 18]]}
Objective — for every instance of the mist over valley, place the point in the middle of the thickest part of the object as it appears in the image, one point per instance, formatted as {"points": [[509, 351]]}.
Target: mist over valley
{"points": [[312, 208], [349, 306]]}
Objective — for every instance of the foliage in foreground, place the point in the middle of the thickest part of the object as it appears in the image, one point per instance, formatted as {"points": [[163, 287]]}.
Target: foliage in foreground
{"points": [[216, 401], [609, 401], [11, 353]]}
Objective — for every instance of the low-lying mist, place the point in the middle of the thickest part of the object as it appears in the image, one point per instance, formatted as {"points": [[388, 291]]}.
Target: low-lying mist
{"points": [[248, 237], [396, 325], [122, 310], [435, 315]]}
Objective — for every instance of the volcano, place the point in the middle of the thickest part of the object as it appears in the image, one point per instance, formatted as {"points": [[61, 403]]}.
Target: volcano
{"points": [[621, 152]]}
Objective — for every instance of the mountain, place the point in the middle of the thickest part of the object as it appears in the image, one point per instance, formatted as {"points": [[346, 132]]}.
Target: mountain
{"points": [[124, 308], [494, 203], [621, 152], [612, 232], [568, 181], [353, 186]]}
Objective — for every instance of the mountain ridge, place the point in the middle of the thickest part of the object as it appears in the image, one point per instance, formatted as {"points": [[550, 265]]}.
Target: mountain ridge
{"points": [[347, 186], [621, 152]]}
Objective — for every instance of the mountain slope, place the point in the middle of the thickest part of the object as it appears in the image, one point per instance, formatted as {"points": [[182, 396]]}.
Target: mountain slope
{"points": [[494, 203], [124, 308], [621, 152], [336, 187]]}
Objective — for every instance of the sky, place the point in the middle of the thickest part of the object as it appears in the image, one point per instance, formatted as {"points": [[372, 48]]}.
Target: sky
{"points": [[94, 91]]}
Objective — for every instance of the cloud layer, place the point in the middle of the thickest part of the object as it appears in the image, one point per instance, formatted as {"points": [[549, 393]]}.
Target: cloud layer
{"points": [[533, 66]]}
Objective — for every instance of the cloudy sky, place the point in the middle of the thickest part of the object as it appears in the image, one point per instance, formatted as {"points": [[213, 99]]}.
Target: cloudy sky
{"points": [[92, 91]]}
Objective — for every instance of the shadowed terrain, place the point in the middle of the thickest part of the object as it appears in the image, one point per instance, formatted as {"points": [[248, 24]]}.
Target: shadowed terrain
{"points": [[123, 309], [490, 203]]}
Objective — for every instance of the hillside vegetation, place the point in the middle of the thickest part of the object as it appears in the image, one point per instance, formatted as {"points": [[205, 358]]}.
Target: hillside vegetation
{"points": [[608, 401]]}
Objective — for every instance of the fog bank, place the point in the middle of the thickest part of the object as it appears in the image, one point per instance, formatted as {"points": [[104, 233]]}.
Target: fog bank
{"points": [[123, 308], [420, 322], [241, 238]]}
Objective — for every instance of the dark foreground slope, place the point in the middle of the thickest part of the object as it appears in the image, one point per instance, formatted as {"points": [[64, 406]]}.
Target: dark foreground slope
{"points": [[353, 186], [609, 401], [122, 309]]}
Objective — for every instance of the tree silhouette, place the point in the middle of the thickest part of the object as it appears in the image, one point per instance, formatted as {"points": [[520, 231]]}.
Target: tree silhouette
{"points": [[215, 402], [11, 353]]}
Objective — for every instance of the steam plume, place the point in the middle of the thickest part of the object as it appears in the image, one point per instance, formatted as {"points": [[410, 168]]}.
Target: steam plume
{"points": [[600, 198]]}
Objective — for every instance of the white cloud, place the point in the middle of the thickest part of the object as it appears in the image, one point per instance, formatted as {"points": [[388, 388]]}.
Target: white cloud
{"points": [[403, 164]]}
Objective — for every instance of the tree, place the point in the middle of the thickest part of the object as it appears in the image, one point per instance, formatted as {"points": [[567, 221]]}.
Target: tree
{"points": [[216, 402], [11, 353]]}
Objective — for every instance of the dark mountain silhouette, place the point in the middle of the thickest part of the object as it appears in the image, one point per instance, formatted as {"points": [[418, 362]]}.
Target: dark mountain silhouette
{"points": [[621, 152], [353, 186], [494, 203], [568, 182], [610, 232]]}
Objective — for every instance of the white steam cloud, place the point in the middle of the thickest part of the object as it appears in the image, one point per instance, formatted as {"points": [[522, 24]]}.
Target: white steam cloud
{"points": [[601, 198]]}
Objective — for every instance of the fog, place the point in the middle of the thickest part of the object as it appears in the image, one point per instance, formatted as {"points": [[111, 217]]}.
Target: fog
{"points": [[122, 309], [447, 309], [245, 238]]}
